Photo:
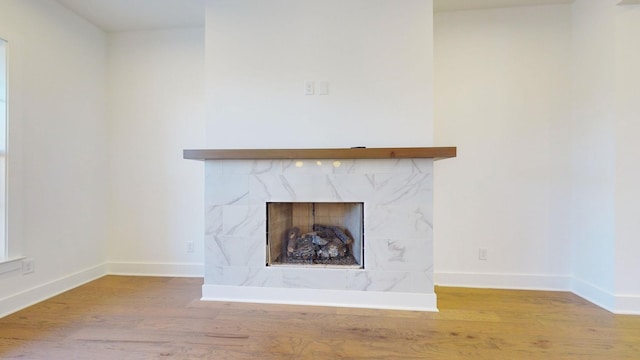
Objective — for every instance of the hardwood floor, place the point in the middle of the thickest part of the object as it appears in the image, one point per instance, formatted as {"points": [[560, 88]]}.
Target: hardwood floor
{"points": [[162, 318]]}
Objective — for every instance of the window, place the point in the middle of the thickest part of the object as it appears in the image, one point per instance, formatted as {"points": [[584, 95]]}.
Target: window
{"points": [[3, 148]]}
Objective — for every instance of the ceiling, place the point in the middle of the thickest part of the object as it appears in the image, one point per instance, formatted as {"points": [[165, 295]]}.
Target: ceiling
{"points": [[132, 15], [454, 5]]}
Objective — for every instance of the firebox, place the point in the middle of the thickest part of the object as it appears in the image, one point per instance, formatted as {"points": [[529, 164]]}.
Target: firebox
{"points": [[325, 234]]}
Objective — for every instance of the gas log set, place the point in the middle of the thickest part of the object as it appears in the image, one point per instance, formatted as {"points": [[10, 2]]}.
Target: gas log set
{"points": [[327, 244]]}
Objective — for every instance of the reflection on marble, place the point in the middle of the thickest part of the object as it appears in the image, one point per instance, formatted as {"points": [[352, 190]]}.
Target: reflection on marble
{"points": [[398, 254], [398, 201]]}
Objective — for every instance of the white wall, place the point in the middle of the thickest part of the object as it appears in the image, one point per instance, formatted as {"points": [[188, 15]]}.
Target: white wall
{"points": [[543, 104], [3, 101], [627, 173], [593, 147], [3, 147], [376, 55], [57, 149], [502, 96], [156, 109], [3, 75]]}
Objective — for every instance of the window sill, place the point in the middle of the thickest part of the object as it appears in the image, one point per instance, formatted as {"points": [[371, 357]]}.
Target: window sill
{"points": [[10, 265]]}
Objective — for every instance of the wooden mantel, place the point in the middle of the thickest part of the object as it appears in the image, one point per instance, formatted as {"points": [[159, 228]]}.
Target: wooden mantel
{"points": [[352, 153]]}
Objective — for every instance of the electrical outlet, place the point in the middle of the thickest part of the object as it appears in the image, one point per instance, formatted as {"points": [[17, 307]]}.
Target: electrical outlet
{"points": [[27, 266], [323, 88], [191, 247], [482, 254]]}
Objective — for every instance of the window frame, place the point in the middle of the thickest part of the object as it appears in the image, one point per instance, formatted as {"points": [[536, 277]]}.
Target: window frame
{"points": [[4, 74]]}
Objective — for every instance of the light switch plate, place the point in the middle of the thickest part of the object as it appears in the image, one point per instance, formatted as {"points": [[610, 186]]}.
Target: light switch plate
{"points": [[309, 87]]}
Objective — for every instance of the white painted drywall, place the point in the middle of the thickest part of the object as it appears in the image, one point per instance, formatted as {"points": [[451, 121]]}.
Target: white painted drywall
{"points": [[627, 173], [593, 149], [156, 109], [502, 96], [57, 148], [376, 56], [3, 147], [555, 86]]}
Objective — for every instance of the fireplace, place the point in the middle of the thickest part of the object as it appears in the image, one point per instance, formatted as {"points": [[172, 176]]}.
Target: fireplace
{"points": [[326, 234], [380, 199]]}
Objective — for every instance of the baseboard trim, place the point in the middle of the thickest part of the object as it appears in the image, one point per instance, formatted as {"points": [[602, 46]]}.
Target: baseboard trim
{"points": [[26, 298], [321, 297], [618, 304], [504, 281], [627, 305], [593, 294], [156, 269]]}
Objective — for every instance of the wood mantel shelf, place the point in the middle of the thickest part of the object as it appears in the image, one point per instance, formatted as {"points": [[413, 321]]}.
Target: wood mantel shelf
{"points": [[352, 153]]}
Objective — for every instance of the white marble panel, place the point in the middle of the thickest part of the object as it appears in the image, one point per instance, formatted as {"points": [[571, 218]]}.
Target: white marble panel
{"points": [[314, 278], [402, 189], [343, 166], [392, 166], [297, 187], [244, 221], [212, 171], [270, 187], [264, 276], [316, 167], [213, 220], [310, 187], [397, 281], [398, 202], [239, 167], [265, 167], [422, 282], [212, 271], [398, 254], [229, 190], [238, 250], [353, 187], [216, 251], [397, 221], [245, 276]]}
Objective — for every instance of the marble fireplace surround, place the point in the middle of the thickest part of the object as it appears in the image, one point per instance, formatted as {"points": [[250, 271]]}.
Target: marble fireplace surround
{"points": [[396, 187]]}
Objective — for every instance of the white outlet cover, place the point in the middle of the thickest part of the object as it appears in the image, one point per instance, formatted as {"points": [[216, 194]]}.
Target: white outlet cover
{"points": [[27, 266], [323, 88]]}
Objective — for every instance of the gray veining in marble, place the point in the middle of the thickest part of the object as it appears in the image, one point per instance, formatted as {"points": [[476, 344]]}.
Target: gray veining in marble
{"points": [[398, 210]]}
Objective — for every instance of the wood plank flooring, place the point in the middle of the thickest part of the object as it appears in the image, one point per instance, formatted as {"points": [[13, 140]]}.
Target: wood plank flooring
{"points": [[161, 318]]}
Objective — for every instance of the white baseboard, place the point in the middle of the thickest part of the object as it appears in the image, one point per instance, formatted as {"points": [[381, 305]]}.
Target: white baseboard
{"points": [[26, 298], [617, 304], [320, 297], [627, 305], [156, 269], [504, 281], [594, 294]]}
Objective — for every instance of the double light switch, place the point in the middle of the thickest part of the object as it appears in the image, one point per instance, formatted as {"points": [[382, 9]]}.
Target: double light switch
{"points": [[310, 88]]}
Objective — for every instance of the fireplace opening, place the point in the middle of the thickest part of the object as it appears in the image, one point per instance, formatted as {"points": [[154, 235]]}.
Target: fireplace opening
{"points": [[315, 233]]}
